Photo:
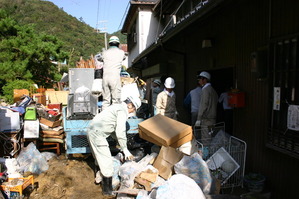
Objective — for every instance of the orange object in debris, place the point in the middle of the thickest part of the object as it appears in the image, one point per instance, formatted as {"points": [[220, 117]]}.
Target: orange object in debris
{"points": [[236, 99], [18, 93], [18, 188], [41, 90], [39, 98]]}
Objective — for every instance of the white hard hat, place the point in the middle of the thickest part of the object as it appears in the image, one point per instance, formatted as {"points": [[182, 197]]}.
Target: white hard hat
{"points": [[157, 81], [135, 100], [205, 74], [113, 39], [169, 83]]}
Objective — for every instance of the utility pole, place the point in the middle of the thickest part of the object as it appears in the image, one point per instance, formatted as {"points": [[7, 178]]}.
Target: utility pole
{"points": [[103, 30]]}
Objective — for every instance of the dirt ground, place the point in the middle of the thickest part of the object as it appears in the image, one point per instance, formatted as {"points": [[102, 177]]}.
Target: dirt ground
{"points": [[67, 178]]}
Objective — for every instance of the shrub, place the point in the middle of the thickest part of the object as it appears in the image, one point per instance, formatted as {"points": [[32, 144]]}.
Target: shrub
{"points": [[18, 84]]}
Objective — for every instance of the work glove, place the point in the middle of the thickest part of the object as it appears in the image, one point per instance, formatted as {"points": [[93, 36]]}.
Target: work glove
{"points": [[128, 155], [197, 123]]}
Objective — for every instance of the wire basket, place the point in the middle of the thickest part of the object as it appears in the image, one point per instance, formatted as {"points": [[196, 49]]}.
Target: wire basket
{"points": [[224, 154]]}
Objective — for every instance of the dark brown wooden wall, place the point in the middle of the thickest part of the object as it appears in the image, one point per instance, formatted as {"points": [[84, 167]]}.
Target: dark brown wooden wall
{"points": [[236, 30]]}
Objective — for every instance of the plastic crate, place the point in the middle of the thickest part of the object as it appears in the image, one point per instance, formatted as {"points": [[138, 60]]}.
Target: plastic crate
{"points": [[18, 188]]}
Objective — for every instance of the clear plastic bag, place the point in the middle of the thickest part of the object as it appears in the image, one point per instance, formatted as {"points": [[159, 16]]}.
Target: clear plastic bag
{"points": [[196, 168], [48, 155], [129, 170], [31, 160]]}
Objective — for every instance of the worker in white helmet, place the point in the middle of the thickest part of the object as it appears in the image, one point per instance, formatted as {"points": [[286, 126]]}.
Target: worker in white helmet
{"points": [[110, 121], [112, 59], [207, 107], [166, 100]]}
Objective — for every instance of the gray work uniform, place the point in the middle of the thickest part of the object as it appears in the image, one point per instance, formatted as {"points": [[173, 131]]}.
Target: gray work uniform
{"points": [[111, 121], [112, 59], [207, 111], [195, 100]]}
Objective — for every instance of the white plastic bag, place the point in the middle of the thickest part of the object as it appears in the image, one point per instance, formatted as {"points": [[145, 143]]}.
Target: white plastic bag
{"points": [[180, 186], [97, 86], [12, 167], [196, 168]]}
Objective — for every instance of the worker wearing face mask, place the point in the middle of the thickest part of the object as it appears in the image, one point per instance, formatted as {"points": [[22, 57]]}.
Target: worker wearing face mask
{"points": [[111, 121], [112, 59], [166, 100], [156, 89], [207, 111]]}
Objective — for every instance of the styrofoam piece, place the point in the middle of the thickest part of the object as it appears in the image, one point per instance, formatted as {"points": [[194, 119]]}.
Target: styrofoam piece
{"points": [[129, 90], [31, 128], [217, 161]]}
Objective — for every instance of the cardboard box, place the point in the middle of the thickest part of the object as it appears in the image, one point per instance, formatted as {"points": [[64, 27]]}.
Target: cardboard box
{"points": [[165, 161], [18, 93], [39, 98], [162, 130], [56, 97], [50, 123], [146, 178]]}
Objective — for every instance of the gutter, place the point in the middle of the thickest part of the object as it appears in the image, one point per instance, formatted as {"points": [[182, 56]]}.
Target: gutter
{"points": [[190, 18]]}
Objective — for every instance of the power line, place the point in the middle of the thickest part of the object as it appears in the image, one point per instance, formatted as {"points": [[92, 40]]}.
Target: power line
{"points": [[124, 15]]}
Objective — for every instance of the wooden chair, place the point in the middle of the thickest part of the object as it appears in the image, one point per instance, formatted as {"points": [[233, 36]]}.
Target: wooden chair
{"points": [[45, 146]]}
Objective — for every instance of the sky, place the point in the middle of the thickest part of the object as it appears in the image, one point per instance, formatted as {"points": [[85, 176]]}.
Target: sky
{"points": [[106, 15]]}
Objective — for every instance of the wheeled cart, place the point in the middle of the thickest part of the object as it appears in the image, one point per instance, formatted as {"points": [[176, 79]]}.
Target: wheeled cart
{"points": [[225, 155]]}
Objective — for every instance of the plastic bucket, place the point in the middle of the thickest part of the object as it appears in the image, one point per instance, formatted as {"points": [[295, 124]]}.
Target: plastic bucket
{"points": [[254, 182]]}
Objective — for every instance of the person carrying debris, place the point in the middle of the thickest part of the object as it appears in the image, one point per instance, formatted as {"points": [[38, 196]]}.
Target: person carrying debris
{"points": [[166, 100], [207, 107], [112, 59], [111, 121]]}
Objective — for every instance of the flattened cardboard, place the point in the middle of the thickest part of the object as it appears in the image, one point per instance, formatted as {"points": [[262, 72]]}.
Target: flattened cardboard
{"points": [[50, 123], [55, 97], [52, 132], [165, 161], [162, 130]]}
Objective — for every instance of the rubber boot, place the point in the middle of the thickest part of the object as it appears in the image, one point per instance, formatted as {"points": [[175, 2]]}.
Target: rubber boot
{"points": [[107, 186]]}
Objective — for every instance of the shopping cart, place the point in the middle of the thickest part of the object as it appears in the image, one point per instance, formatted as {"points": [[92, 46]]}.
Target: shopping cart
{"points": [[224, 154]]}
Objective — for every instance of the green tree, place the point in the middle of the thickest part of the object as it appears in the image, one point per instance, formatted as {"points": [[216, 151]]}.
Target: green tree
{"points": [[26, 55]]}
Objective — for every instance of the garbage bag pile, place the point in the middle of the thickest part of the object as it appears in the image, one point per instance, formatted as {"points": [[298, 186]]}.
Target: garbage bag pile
{"points": [[190, 178]]}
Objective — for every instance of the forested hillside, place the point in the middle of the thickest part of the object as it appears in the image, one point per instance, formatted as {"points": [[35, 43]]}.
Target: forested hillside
{"points": [[33, 34], [79, 39]]}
